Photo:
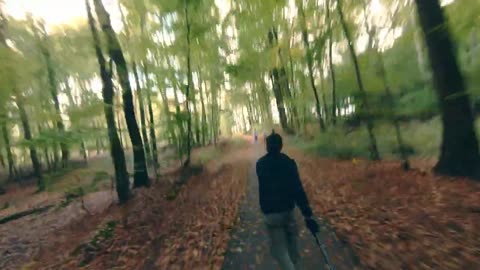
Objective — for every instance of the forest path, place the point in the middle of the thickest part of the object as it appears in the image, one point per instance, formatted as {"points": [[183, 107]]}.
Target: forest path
{"points": [[248, 247]]}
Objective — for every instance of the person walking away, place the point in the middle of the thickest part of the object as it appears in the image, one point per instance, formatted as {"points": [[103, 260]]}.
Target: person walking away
{"points": [[280, 190], [255, 136]]}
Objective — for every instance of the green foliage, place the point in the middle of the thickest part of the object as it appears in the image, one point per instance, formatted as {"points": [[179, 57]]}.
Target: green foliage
{"points": [[231, 60], [420, 104], [104, 234], [339, 143], [422, 140], [72, 194]]}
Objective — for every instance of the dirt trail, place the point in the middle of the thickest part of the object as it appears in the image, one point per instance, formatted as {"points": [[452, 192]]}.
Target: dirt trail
{"points": [[248, 247]]}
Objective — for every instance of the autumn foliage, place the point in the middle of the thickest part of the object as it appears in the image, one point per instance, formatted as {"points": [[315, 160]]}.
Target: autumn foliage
{"points": [[190, 231], [396, 219]]}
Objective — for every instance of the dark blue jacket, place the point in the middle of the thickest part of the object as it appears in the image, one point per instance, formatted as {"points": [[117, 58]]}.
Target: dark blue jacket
{"points": [[280, 186]]}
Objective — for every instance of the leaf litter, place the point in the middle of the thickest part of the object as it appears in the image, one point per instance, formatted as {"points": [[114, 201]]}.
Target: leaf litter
{"points": [[396, 219]]}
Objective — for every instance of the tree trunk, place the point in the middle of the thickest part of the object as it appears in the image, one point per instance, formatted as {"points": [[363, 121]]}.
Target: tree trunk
{"points": [[153, 136], [44, 150], [204, 113], [324, 98], [266, 101], [383, 76], [285, 85], [116, 151], [119, 122], [141, 106], [308, 56], [53, 87], [215, 113], [2, 161], [373, 142], [27, 134], [331, 66], [196, 117], [115, 51], [244, 121], [277, 90], [459, 155], [396, 124], [189, 85], [179, 121], [168, 115], [8, 149], [251, 120]]}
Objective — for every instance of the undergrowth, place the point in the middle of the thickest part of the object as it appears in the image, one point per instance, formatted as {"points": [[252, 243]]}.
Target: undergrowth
{"points": [[421, 140]]}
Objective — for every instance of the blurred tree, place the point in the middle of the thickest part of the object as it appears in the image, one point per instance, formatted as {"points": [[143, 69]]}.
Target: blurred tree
{"points": [[116, 54], [459, 151], [116, 151], [366, 106]]}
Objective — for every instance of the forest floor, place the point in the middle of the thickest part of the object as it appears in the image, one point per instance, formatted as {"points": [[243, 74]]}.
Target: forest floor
{"points": [[392, 219]]}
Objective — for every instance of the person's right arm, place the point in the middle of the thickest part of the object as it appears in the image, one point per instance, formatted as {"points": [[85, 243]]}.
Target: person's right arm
{"points": [[300, 196], [302, 201]]}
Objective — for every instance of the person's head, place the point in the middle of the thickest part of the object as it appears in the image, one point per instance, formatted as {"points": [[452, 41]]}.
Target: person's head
{"points": [[274, 143]]}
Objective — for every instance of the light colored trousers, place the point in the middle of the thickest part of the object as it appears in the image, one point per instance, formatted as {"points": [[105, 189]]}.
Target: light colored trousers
{"points": [[283, 232]]}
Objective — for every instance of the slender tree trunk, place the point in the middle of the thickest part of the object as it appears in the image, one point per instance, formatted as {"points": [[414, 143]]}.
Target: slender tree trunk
{"points": [[390, 100], [8, 149], [266, 100], [2, 160], [189, 85], [119, 122], [196, 118], [115, 51], [204, 113], [168, 115], [308, 56], [244, 121], [279, 99], [71, 101], [277, 90], [47, 160], [459, 155], [285, 85], [396, 124], [153, 136], [27, 134], [373, 142], [116, 151], [97, 144], [53, 87], [331, 66], [83, 150], [251, 120], [324, 98], [179, 121], [214, 113], [138, 99], [141, 107]]}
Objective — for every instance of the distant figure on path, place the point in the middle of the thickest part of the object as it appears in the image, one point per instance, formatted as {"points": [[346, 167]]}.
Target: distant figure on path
{"points": [[255, 135], [280, 190]]}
